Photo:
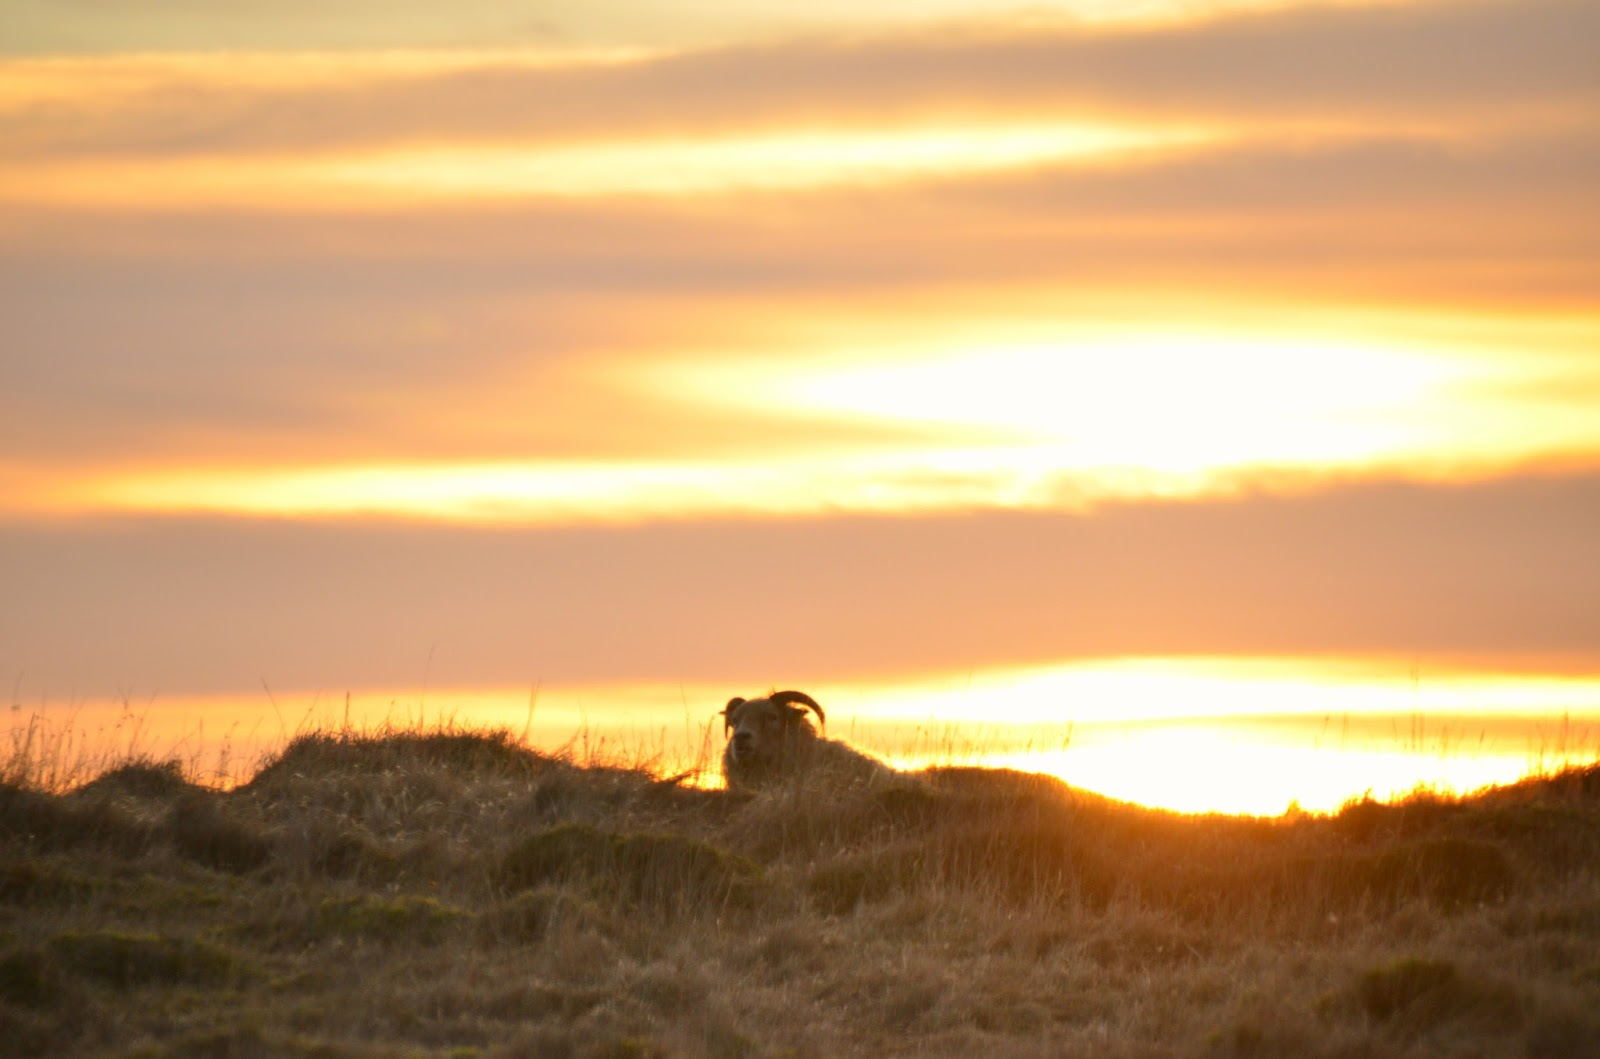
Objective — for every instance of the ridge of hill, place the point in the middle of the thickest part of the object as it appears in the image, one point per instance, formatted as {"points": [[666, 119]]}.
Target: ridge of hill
{"points": [[455, 892]]}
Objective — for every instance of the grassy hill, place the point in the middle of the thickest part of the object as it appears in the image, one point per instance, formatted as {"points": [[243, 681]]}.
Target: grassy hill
{"points": [[455, 893]]}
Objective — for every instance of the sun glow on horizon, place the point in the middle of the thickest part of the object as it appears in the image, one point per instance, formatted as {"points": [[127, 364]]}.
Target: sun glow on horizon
{"points": [[1235, 735], [1235, 770], [1144, 690]]}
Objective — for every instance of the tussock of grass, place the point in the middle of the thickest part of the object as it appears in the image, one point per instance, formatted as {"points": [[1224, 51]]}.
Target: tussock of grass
{"points": [[404, 918], [451, 892], [1417, 994], [322, 846], [142, 778], [129, 960], [29, 978], [654, 869], [40, 882], [38, 821], [493, 752], [202, 831], [530, 916]]}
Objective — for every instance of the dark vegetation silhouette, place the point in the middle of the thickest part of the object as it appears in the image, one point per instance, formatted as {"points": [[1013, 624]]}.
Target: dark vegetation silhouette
{"points": [[456, 893]]}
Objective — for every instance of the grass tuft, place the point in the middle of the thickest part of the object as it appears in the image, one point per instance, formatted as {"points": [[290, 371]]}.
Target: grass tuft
{"points": [[392, 920], [1417, 994], [652, 869], [203, 832], [129, 960], [34, 820], [530, 916], [39, 883], [1448, 872], [843, 886], [142, 778], [461, 752], [328, 848], [28, 977]]}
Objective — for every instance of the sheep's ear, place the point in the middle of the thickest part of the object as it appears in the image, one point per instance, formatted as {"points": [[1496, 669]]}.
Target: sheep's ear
{"points": [[729, 712]]}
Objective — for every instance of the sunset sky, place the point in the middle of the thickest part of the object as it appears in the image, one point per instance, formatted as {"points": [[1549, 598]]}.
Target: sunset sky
{"points": [[690, 343]]}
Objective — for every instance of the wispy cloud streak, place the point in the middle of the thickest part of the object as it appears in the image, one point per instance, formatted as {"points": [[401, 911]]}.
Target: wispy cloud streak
{"points": [[1451, 67], [353, 266], [1481, 573]]}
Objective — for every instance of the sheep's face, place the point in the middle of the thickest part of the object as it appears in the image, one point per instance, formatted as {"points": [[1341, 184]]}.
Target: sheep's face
{"points": [[761, 730]]}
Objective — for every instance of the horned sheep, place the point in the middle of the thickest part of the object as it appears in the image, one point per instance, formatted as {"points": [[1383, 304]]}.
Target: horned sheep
{"points": [[772, 741]]}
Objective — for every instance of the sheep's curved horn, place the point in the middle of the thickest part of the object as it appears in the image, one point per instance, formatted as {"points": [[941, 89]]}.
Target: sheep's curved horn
{"points": [[803, 699], [727, 713]]}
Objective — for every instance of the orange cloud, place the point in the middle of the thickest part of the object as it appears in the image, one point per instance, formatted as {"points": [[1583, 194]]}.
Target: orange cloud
{"points": [[1493, 573], [1448, 68]]}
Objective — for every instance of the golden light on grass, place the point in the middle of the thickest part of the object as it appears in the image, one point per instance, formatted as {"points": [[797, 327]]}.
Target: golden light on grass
{"points": [[959, 909], [1233, 735]]}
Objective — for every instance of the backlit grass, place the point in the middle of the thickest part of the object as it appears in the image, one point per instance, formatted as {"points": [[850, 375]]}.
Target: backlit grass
{"points": [[454, 892]]}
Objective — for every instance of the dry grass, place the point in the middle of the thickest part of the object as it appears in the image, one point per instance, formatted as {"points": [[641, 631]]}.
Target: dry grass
{"points": [[455, 893]]}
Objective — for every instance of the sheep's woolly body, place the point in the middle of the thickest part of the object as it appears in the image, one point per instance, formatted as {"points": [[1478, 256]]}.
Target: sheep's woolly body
{"points": [[772, 741]]}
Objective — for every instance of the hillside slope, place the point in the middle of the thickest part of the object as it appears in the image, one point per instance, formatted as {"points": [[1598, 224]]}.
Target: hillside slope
{"points": [[453, 892]]}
